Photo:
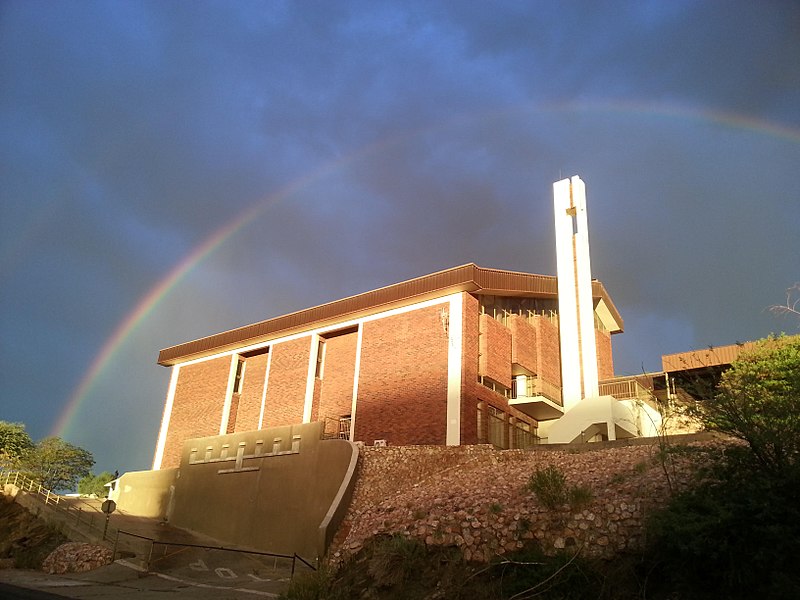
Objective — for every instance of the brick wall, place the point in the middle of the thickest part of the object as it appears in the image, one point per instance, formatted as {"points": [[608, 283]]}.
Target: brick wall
{"points": [[286, 387], [469, 370], [252, 390], [495, 351], [197, 405], [402, 390], [549, 354], [336, 392], [523, 343], [605, 360]]}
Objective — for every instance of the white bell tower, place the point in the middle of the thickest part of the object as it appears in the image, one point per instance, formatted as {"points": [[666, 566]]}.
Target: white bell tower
{"points": [[579, 378]]}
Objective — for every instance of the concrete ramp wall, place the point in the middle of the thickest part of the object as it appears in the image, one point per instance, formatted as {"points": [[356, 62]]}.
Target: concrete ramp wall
{"points": [[271, 489], [145, 493]]}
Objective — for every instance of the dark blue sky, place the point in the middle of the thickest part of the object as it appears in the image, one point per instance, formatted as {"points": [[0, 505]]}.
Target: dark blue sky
{"points": [[371, 142]]}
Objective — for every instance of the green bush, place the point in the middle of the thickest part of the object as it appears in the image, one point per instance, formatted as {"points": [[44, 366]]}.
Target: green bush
{"points": [[758, 401], [734, 534], [550, 486]]}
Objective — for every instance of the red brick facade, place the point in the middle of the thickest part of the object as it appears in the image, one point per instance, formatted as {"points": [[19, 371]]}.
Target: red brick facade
{"points": [[286, 386], [249, 407], [495, 351], [402, 391], [197, 405], [605, 360], [339, 365], [398, 376]]}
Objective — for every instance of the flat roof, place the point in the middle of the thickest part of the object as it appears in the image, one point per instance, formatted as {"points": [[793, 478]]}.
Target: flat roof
{"points": [[465, 278], [714, 356]]}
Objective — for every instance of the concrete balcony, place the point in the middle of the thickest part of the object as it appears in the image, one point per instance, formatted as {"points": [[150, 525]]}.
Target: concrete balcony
{"points": [[536, 397]]}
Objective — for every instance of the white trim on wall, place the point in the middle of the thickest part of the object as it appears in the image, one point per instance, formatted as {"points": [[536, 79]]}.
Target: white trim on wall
{"points": [[455, 345], [162, 434], [314, 335], [356, 373], [310, 377], [226, 407], [264, 389]]}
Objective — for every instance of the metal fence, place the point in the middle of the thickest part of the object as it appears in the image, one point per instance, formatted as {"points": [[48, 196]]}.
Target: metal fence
{"points": [[625, 389], [160, 550], [75, 512], [24, 482], [337, 428]]}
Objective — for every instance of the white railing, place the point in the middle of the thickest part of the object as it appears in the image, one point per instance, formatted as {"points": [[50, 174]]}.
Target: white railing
{"points": [[23, 482], [536, 386], [625, 389]]}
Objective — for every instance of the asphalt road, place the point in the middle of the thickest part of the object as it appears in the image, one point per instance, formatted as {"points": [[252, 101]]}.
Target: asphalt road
{"points": [[193, 578]]}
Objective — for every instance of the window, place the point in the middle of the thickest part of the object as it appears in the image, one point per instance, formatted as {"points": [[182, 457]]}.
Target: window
{"points": [[239, 379], [320, 358]]}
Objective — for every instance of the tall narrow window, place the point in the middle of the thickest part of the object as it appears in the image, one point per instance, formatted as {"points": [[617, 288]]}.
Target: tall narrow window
{"points": [[320, 358], [237, 382]]}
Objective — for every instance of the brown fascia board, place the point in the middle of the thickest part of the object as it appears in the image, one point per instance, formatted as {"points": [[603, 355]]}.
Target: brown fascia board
{"points": [[465, 278], [714, 356]]}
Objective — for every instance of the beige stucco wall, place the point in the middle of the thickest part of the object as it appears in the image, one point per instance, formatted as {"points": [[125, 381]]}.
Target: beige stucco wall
{"points": [[145, 493], [274, 498]]}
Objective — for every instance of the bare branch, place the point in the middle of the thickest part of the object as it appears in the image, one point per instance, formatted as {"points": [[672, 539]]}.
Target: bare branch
{"points": [[792, 306]]}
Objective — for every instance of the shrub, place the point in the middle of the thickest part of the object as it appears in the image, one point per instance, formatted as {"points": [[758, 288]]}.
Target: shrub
{"points": [[734, 534], [550, 486], [579, 496], [395, 559]]}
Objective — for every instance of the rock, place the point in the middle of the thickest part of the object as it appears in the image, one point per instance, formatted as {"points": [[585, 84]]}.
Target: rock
{"points": [[77, 557]]}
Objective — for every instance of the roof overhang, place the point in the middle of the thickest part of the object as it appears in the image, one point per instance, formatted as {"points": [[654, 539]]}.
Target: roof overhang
{"points": [[465, 278]]}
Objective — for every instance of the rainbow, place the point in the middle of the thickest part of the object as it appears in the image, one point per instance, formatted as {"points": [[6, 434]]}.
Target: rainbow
{"points": [[151, 299]]}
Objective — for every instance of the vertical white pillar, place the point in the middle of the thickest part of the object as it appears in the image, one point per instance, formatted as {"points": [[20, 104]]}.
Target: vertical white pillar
{"points": [[264, 390], [579, 376], [162, 434], [567, 295], [310, 378], [455, 342], [226, 407], [356, 376], [583, 275]]}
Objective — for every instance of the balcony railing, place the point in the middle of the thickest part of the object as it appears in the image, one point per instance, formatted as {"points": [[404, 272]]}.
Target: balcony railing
{"points": [[625, 389], [536, 386], [337, 428]]}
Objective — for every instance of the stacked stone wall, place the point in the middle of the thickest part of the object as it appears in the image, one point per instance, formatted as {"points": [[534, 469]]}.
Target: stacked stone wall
{"points": [[476, 498]]}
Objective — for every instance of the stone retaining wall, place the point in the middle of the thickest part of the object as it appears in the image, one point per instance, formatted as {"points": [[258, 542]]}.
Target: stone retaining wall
{"points": [[475, 497]]}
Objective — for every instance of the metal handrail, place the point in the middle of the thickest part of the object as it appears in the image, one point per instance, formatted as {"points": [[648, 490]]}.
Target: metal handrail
{"points": [[625, 389], [21, 480], [53, 500], [294, 556]]}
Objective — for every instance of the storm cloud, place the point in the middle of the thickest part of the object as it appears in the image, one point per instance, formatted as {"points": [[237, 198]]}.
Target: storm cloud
{"points": [[363, 143]]}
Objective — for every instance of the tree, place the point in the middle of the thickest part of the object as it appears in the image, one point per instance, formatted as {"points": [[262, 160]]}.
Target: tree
{"points": [[95, 484], [58, 464], [734, 533], [14, 443], [758, 401]]}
